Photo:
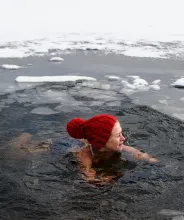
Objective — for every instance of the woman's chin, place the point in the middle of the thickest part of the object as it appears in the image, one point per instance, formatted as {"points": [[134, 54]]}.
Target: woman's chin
{"points": [[119, 147]]}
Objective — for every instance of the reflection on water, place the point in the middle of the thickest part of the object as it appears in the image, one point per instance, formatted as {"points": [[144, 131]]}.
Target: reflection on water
{"points": [[42, 180]]}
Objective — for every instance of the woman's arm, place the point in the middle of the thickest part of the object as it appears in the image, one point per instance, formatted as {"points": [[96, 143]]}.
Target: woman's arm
{"points": [[138, 155]]}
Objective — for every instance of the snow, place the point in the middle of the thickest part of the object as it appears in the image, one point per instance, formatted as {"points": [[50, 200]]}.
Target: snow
{"points": [[113, 78], [156, 82], [179, 83], [133, 77], [10, 67], [164, 102], [138, 84], [154, 87], [56, 59], [141, 52], [41, 79], [71, 25], [162, 26]]}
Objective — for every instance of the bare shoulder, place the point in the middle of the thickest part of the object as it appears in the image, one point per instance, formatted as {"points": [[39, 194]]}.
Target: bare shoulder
{"points": [[84, 156], [84, 151]]}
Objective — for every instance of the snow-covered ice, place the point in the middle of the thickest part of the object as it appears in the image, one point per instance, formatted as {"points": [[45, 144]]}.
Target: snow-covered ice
{"points": [[154, 87], [40, 79], [156, 82], [178, 83], [43, 111], [170, 212], [56, 59], [113, 78], [10, 67]]}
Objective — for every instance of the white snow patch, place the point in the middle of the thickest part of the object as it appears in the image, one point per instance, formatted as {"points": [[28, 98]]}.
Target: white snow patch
{"points": [[133, 77], [39, 79], [138, 85], [113, 78], [182, 99], [56, 59], [179, 83], [10, 67], [127, 85], [156, 82], [163, 102], [154, 87], [140, 82], [142, 52]]}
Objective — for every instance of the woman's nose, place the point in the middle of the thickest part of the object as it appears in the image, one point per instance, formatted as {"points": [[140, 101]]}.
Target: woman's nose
{"points": [[122, 138]]}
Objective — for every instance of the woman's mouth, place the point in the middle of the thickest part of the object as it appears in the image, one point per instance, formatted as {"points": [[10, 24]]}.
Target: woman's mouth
{"points": [[120, 146]]}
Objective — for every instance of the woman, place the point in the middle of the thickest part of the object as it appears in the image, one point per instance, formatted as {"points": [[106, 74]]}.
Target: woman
{"points": [[103, 139]]}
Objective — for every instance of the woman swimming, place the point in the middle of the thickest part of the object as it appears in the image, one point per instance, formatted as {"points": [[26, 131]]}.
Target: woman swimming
{"points": [[103, 141]]}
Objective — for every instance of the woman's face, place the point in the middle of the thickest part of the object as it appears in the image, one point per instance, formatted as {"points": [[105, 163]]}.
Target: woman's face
{"points": [[116, 140]]}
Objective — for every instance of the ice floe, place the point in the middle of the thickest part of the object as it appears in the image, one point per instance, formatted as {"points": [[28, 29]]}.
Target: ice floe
{"points": [[156, 82], [113, 78], [72, 108], [154, 87], [164, 102], [96, 85], [143, 52], [56, 59], [169, 212], [40, 79], [179, 83], [50, 96], [138, 85], [10, 67], [133, 77]]}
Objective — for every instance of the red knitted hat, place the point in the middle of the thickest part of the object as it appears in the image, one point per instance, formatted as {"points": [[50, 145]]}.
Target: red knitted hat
{"points": [[97, 130]]}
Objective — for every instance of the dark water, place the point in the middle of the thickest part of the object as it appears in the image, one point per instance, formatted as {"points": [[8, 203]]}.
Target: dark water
{"points": [[46, 185]]}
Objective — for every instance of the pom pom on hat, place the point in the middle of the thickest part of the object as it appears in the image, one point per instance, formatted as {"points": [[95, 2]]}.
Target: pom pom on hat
{"points": [[74, 128]]}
